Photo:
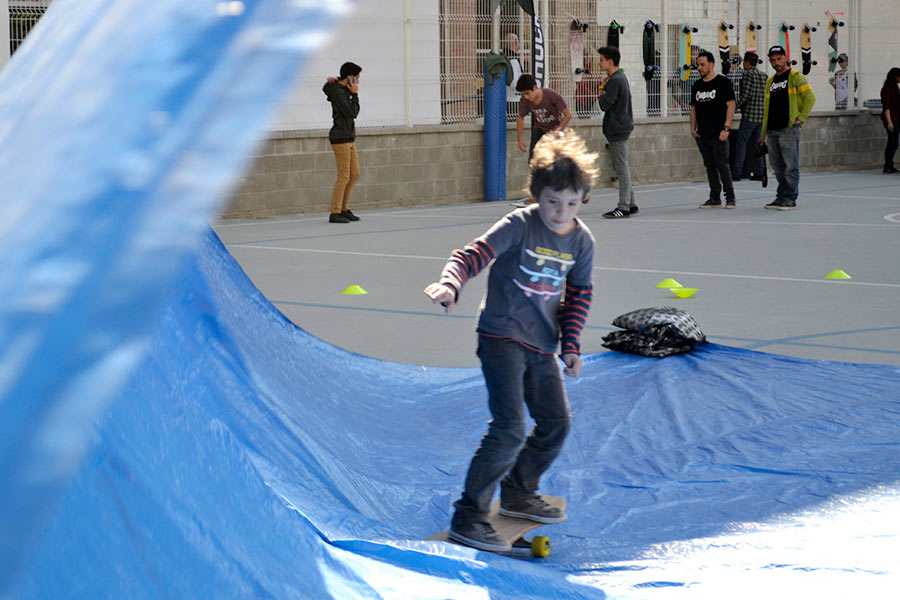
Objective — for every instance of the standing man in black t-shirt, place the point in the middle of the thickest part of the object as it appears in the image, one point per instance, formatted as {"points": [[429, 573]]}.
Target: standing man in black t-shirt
{"points": [[712, 108]]}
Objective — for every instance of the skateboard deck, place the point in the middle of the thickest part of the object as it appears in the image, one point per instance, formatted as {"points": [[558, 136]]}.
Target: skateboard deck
{"points": [[612, 38], [725, 46], [784, 36], [684, 50], [576, 49], [833, 25], [649, 49], [750, 43], [806, 48], [514, 530]]}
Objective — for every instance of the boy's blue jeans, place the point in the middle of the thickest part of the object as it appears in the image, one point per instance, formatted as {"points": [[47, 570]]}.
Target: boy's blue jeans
{"points": [[516, 377]]}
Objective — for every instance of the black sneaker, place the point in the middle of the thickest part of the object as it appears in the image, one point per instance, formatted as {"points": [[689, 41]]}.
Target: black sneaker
{"points": [[711, 204], [889, 169], [780, 204], [338, 218], [532, 508], [730, 203], [633, 210], [350, 216], [616, 213], [480, 535]]}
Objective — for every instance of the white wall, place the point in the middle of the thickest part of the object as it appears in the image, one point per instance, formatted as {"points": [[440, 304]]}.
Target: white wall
{"points": [[4, 32], [372, 36]]}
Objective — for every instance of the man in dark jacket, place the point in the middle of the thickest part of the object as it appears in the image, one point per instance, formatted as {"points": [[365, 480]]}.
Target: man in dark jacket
{"points": [[343, 94], [618, 123]]}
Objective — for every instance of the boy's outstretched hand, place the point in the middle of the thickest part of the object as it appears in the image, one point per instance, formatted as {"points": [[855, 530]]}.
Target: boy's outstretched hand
{"points": [[441, 294], [573, 364]]}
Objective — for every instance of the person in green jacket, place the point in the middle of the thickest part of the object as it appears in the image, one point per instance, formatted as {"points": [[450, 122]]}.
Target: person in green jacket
{"points": [[789, 100]]}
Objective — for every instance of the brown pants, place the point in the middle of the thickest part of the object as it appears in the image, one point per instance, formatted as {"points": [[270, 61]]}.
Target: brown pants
{"points": [[347, 173]]}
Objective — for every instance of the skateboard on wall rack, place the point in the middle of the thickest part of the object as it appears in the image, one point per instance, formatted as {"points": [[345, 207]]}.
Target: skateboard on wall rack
{"points": [[615, 30], [651, 69], [684, 50], [784, 36], [576, 49], [648, 45], [725, 46], [750, 40], [806, 48], [833, 25]]}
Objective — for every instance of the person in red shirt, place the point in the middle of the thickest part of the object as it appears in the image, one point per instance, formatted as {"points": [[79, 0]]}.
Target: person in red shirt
{"points": [[548, 109]]}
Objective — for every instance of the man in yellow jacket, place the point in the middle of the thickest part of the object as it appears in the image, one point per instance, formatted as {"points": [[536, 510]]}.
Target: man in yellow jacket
{"points": [[789, 100]]}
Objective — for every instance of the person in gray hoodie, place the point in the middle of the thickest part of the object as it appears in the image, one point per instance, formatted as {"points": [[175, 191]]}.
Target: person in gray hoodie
{"points": [[618, 123], [343, 93]]}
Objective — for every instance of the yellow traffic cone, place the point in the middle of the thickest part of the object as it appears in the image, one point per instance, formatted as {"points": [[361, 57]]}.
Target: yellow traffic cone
{"points": [[354, 290], [683, 292], [668, 283]]}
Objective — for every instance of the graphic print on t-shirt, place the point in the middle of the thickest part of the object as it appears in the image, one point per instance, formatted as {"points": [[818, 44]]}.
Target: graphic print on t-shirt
{"points": [[546, 275]]}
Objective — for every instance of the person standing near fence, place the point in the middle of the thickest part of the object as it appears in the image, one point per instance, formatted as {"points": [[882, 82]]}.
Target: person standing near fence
{"points": [[512, 96], [547, 108], [751, 104], [614, 99], [890, 116], [712, 108], [789, 100], [343, 94]]}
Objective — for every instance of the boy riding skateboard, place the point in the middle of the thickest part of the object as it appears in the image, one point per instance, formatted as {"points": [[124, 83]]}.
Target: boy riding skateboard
{"points": [[539, 291]]}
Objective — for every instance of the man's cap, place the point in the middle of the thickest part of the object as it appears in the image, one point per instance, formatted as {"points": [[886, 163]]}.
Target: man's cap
{"points": [[776, 50]]}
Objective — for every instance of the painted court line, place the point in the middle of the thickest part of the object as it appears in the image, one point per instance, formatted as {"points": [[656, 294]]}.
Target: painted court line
{"points": [[750, 343], [596, 268]]}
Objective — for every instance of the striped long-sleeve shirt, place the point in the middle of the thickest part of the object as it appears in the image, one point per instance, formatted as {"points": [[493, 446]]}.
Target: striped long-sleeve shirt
{"points": [[540, 284]]}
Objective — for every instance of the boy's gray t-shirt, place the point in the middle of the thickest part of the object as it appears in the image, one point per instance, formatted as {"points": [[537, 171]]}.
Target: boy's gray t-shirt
{"points": [[527, 280]]}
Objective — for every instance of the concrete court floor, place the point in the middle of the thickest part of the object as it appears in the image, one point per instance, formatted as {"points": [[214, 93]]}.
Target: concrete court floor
{"points": [[760, 273]]}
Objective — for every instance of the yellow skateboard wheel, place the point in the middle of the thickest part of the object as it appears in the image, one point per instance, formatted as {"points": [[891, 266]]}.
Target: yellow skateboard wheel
{"points": [[540, 546]]}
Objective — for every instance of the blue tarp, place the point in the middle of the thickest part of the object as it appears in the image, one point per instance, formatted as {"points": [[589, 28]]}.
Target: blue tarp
{"points": [[246, 458], [165, 432]]}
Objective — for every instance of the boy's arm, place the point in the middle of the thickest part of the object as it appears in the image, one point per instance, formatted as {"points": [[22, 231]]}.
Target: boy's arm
{"points": [[572, 315], [462, 266], [520, 125], [347, 105], [608, 95], [567, 116]]}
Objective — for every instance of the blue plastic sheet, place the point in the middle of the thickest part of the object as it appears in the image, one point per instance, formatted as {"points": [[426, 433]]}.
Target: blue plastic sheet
{"points": [[165, 432], [123, 124], [246, 458]]}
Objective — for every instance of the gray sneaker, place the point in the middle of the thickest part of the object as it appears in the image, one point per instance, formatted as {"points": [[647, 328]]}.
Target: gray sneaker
{"points": [[532, 508], [480, 535]]}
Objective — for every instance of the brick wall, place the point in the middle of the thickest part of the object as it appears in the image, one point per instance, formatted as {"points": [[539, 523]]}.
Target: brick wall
{"points": [[294, 172]]}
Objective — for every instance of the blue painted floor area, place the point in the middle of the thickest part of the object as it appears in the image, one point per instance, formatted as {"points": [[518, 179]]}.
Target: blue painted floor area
{"points": [[246, 458]]}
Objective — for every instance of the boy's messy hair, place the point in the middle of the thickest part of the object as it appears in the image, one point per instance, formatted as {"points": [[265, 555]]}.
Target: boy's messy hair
{"points": [[561, 161]]}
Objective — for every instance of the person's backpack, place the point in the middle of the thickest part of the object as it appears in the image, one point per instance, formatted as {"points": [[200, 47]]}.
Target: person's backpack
{"points": [[658, 331]]}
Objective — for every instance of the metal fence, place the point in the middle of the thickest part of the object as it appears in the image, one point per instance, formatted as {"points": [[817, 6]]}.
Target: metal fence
{"points": [[22, 17], [865, 35]]}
